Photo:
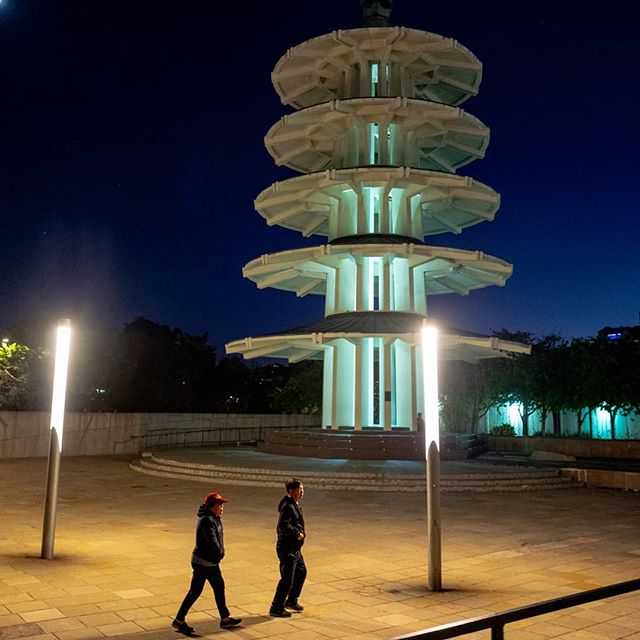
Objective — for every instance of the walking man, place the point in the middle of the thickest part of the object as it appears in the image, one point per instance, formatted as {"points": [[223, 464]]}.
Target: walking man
{"points": [[205, 561], [291, 536]]}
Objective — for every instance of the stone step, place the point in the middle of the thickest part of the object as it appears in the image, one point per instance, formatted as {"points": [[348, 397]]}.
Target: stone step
{"points": [[245, 476], [365, 445], [516, 474], [346, 479]]}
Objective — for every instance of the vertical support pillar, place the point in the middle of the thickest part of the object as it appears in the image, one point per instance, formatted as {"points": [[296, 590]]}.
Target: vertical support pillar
{"points": [[383, 145], [344, 383], [360, 286], [412, 293], [402, 384], [364, 145], [368, 367], [403, 220], [385, 211], [414, 388], [388, 396], [415, 216], [386, 284], [327, 387], [357, 396], [334, 385], [365, 77], [361, 214]]}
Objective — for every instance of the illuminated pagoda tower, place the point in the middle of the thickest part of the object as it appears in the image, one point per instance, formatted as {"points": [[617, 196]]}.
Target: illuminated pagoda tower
{"points": [[378, 137]]}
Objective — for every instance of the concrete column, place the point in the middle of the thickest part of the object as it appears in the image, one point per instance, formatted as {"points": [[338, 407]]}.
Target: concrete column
{"points": [[363, 146], [385, 222], [383, 143], [414, 386], [365, 78], [387, 387], [361, 223], [412, 293], [334, 386], [358, 387], [386, 285]]}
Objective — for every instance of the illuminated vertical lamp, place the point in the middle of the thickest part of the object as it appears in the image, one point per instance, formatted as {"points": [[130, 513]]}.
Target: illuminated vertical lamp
{"points": [[63, 342], [432, 453]]}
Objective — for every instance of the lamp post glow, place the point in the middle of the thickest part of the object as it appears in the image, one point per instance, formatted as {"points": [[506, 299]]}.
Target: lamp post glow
{"points": [[63, 342], [432, 453]]}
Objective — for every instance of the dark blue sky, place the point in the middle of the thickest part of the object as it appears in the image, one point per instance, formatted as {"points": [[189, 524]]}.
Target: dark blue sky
{"points": [[131, 151]]}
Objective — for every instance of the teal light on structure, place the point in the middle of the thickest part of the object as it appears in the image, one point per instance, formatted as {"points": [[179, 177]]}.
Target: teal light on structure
{"points": [[378, 136]]}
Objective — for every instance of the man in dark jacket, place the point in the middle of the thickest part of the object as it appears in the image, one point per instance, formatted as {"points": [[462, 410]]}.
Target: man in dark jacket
{"points": [[205, 561], [291, 536]]}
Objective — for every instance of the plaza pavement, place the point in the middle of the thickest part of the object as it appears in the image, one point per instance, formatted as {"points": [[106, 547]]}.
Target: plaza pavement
{"points": [[124, 539]]}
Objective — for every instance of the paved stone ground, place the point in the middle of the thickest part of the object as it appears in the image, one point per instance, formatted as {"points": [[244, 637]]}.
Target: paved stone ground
{"points": [[123, 543]]}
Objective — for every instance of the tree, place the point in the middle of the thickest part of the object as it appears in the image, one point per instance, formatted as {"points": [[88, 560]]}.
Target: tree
{"points": [[582, 393], [22, 376], [465, 390], [14, 374], [268, 380], [154, 367], [548, 367], [233, 386], [302, 392], [618, 364], [514, 380]]}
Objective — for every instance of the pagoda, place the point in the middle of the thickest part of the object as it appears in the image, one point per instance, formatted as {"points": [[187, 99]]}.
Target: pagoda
{"points": [[378, 136]]}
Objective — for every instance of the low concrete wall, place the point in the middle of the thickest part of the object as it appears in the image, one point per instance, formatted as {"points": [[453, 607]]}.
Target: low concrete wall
{"points": [[25, 434], [577, 447], [627, 480]]}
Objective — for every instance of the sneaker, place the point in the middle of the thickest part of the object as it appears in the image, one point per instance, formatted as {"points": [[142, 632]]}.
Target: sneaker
{"points": [[182, 627], [294, 605], [230, 622], [279, 613]]}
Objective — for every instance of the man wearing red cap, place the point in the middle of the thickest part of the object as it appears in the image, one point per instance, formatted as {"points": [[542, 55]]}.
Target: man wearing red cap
{"points": [[205, 560]]}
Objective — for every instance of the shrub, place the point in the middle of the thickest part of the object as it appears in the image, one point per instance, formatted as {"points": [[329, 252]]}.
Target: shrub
{"points": [[504, 429]]}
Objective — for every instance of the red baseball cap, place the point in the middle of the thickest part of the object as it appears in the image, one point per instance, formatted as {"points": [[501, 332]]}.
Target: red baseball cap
{"points": [[213, 498]]}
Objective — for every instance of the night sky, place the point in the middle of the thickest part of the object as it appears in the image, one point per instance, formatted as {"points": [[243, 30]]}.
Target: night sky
{"points": [[131, 149]]}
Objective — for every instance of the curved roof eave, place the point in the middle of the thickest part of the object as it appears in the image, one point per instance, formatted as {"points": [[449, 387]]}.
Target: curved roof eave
{"points": [[309, 342]]}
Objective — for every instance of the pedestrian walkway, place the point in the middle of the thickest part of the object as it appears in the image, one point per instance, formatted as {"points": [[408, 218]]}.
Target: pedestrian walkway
{"points": [[124, 539]]}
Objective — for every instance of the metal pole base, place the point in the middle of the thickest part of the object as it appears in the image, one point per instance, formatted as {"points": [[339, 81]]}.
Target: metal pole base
{"points": [[53, 473], [434, 575]]}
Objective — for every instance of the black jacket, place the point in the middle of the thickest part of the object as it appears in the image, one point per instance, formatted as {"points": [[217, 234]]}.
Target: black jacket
{"points": [[290, 526], [209, 536]]}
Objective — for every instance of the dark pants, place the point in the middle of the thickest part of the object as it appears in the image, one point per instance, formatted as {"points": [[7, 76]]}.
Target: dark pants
{"points": [[200, 575], [293, 572]]}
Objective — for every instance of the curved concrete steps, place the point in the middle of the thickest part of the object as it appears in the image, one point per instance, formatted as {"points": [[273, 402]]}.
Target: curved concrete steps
{"points": [[524, 480]]}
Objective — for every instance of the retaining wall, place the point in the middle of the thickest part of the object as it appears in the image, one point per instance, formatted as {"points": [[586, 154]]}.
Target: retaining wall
{"points": [[25, 434], [577, 447]]}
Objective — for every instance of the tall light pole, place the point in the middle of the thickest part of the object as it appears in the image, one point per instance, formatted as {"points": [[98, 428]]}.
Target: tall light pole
{"points": [[63, 341], [432, 452]]}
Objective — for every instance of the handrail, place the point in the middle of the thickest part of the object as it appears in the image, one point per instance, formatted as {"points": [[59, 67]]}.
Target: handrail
{"points": [[160, 438], [496, 621]]}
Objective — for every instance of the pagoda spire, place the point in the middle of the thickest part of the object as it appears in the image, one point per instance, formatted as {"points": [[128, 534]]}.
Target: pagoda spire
{"points": [[375, 13]]}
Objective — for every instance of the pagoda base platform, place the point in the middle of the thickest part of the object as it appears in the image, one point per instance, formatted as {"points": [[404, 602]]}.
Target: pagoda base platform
{"points": [[369, 444]]}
